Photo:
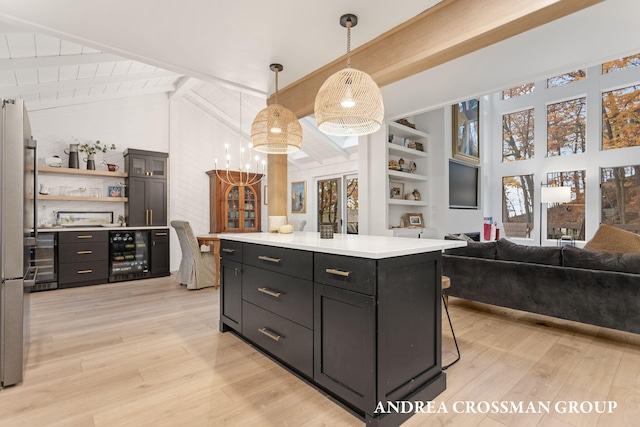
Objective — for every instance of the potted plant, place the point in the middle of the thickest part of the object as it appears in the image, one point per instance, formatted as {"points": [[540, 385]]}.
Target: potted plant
{"points": [[91, 148]]}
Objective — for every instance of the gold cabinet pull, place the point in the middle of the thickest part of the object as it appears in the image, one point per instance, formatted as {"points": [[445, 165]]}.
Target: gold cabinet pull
{"points": [[151, 216], [227, 250], [146, 220], [85, 236], [270, 334], [84, 252], [270, 292], [161, 234], [266, 258], [338, 272], [85, 271]]}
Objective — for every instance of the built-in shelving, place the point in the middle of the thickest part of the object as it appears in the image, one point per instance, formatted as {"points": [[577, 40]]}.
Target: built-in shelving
{"points": [[88, 173], [81, 198], [83, 172], [405, 202]]}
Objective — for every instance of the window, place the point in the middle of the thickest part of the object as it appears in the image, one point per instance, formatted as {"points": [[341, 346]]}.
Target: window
{"points": [[620, 192], [518, 91], [517, 136], [621, 118], [567, 219], [566, 125], [517, 205], [621, 64], [567, 78]]}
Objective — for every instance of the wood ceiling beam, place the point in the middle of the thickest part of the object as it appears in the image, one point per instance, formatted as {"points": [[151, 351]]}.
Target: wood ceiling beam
{"points": [[445, 32]]}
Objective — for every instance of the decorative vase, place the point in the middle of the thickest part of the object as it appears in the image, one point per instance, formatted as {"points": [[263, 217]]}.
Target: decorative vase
{"points": [[91, 162], [73, 156]]}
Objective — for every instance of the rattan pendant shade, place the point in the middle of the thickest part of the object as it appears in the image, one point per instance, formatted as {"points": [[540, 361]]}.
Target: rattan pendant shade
{"points": [[276, 130], [349, 103]]}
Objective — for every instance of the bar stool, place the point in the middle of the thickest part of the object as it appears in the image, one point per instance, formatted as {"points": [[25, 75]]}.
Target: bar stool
{"points": [[446, 284]]}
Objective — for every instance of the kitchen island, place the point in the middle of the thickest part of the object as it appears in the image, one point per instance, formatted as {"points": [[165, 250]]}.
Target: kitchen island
{"points": [[358, 317]]}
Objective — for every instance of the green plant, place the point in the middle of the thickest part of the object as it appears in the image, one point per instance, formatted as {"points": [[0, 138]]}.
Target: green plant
{"points": [[94, 147]]}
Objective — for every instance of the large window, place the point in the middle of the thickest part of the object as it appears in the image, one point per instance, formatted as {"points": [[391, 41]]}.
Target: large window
{"points": [[620, 189], [566, 127], [567, 219], [621, 118], [517, 136], [518, 91], [517, 205], [621, 64], [567, 78]]}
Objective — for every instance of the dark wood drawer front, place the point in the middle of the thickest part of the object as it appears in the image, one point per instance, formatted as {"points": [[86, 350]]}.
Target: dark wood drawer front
{"points": [[283, 338], [351, 273], [160, 235], [81, 252], [90, 271], [287, 296], [292, 262], [83, 236], [230, 250]]}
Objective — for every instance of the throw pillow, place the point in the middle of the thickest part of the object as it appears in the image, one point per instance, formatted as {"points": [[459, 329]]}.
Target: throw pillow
{"points": [[595, 260], [612, 239], [547, 255]]}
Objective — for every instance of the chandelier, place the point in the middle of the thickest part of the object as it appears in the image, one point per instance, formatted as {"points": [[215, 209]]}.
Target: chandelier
{"points": [[276, 130], [349, 103], [243, 176]]}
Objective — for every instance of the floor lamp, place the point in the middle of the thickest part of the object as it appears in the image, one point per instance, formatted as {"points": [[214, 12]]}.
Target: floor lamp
{"points": [[553, 195]]}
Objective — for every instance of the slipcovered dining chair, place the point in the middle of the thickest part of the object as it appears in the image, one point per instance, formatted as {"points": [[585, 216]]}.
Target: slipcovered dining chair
{"points": [[197, 268]]}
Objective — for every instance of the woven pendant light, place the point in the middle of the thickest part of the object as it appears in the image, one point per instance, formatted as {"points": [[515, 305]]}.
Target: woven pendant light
{"points": [[349, 103], [276, 130]]}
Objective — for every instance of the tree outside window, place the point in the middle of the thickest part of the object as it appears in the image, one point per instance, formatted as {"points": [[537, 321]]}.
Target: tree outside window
{"points": [[517, 136], [620, 192], [621, 64], [621, 118], [567, 219], [566, 127], [518, 91], [567, 78], [517, 205]]}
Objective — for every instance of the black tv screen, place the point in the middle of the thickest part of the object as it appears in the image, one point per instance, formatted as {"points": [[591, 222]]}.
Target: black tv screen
{"points": [[463, 185]]}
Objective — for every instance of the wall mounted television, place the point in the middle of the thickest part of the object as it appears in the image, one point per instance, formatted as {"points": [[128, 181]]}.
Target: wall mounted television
{"points": [[463, 185]]}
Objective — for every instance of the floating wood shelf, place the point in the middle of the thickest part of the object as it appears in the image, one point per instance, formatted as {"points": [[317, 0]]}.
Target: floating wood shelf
{"points": [[81, 198], [83, 172]]}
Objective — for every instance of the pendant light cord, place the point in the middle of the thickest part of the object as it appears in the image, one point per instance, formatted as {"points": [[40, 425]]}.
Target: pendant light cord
{"points": [[276, 70], [348, 43]]}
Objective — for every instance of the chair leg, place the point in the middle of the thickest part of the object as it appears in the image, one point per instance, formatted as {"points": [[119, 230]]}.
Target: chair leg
{"points": [[446, 309]]}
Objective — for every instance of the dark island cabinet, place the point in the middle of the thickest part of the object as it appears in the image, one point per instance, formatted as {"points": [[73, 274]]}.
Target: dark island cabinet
{"points": [[146, 188], [362, 330], [159, 256]]}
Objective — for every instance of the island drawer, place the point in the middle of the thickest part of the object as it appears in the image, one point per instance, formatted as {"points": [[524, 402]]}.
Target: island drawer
{"points": [[90, 272], [288, 296], [230, 250], [351, 273], [82, 236], [80, 252], [286, 340], [292, 262]]}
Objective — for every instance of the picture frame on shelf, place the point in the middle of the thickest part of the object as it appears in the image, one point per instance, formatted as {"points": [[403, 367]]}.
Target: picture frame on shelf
{"points": [[414, 220], [299, 197], [114, 191], [84, 218], [396, 190], [466, 131]]}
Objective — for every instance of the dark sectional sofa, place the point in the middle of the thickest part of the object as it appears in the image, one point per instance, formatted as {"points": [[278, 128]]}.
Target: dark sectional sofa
{"points": [[597, 288]]}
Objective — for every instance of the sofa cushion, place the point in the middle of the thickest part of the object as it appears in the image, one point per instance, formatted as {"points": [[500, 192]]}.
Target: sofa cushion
{"points": [[612, 239], [475, 250], [547, 255], [596, 260]]}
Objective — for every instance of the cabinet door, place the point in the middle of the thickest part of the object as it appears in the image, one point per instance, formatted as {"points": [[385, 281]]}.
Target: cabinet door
{"points": [[231, 295], [232, 209], [136, 206], [249, 209], [147, 166], [156, 201], [344, 344], [159, 253]]}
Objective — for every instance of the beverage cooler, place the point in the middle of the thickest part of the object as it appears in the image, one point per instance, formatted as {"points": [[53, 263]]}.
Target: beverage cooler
{"points": [[128, 255]]}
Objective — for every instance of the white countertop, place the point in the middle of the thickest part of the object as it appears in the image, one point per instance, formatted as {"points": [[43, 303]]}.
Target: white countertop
{"points": [[113, 227], [376, 247]]}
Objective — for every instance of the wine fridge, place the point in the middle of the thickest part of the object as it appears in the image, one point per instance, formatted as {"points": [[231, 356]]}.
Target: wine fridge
{"points": [[128, 255]]}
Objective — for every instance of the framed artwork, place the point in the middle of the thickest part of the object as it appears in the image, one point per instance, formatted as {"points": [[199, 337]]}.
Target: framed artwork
{"points": [[299, 197], [114, 191], [396, 190], [73, 218], [466, 130], [414, 220]]}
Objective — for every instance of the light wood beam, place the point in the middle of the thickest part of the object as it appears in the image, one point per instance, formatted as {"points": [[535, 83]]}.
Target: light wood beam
{"points": [[445, 32]]}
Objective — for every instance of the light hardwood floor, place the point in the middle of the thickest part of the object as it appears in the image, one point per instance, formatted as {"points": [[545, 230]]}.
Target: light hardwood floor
{"points": [[149, 353]]}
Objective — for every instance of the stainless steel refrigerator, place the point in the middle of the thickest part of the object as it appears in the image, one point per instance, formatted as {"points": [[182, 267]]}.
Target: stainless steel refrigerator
{"points": [[18, 228]]}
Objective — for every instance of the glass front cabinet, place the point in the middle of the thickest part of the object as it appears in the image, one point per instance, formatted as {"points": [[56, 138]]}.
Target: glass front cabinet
{"points": [[233, 208]]}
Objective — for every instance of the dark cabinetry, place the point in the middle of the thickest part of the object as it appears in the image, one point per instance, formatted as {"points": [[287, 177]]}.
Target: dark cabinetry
{"points": [[83, 258], [146, 187], [159, 256], [363, 330], [233, 208]]}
